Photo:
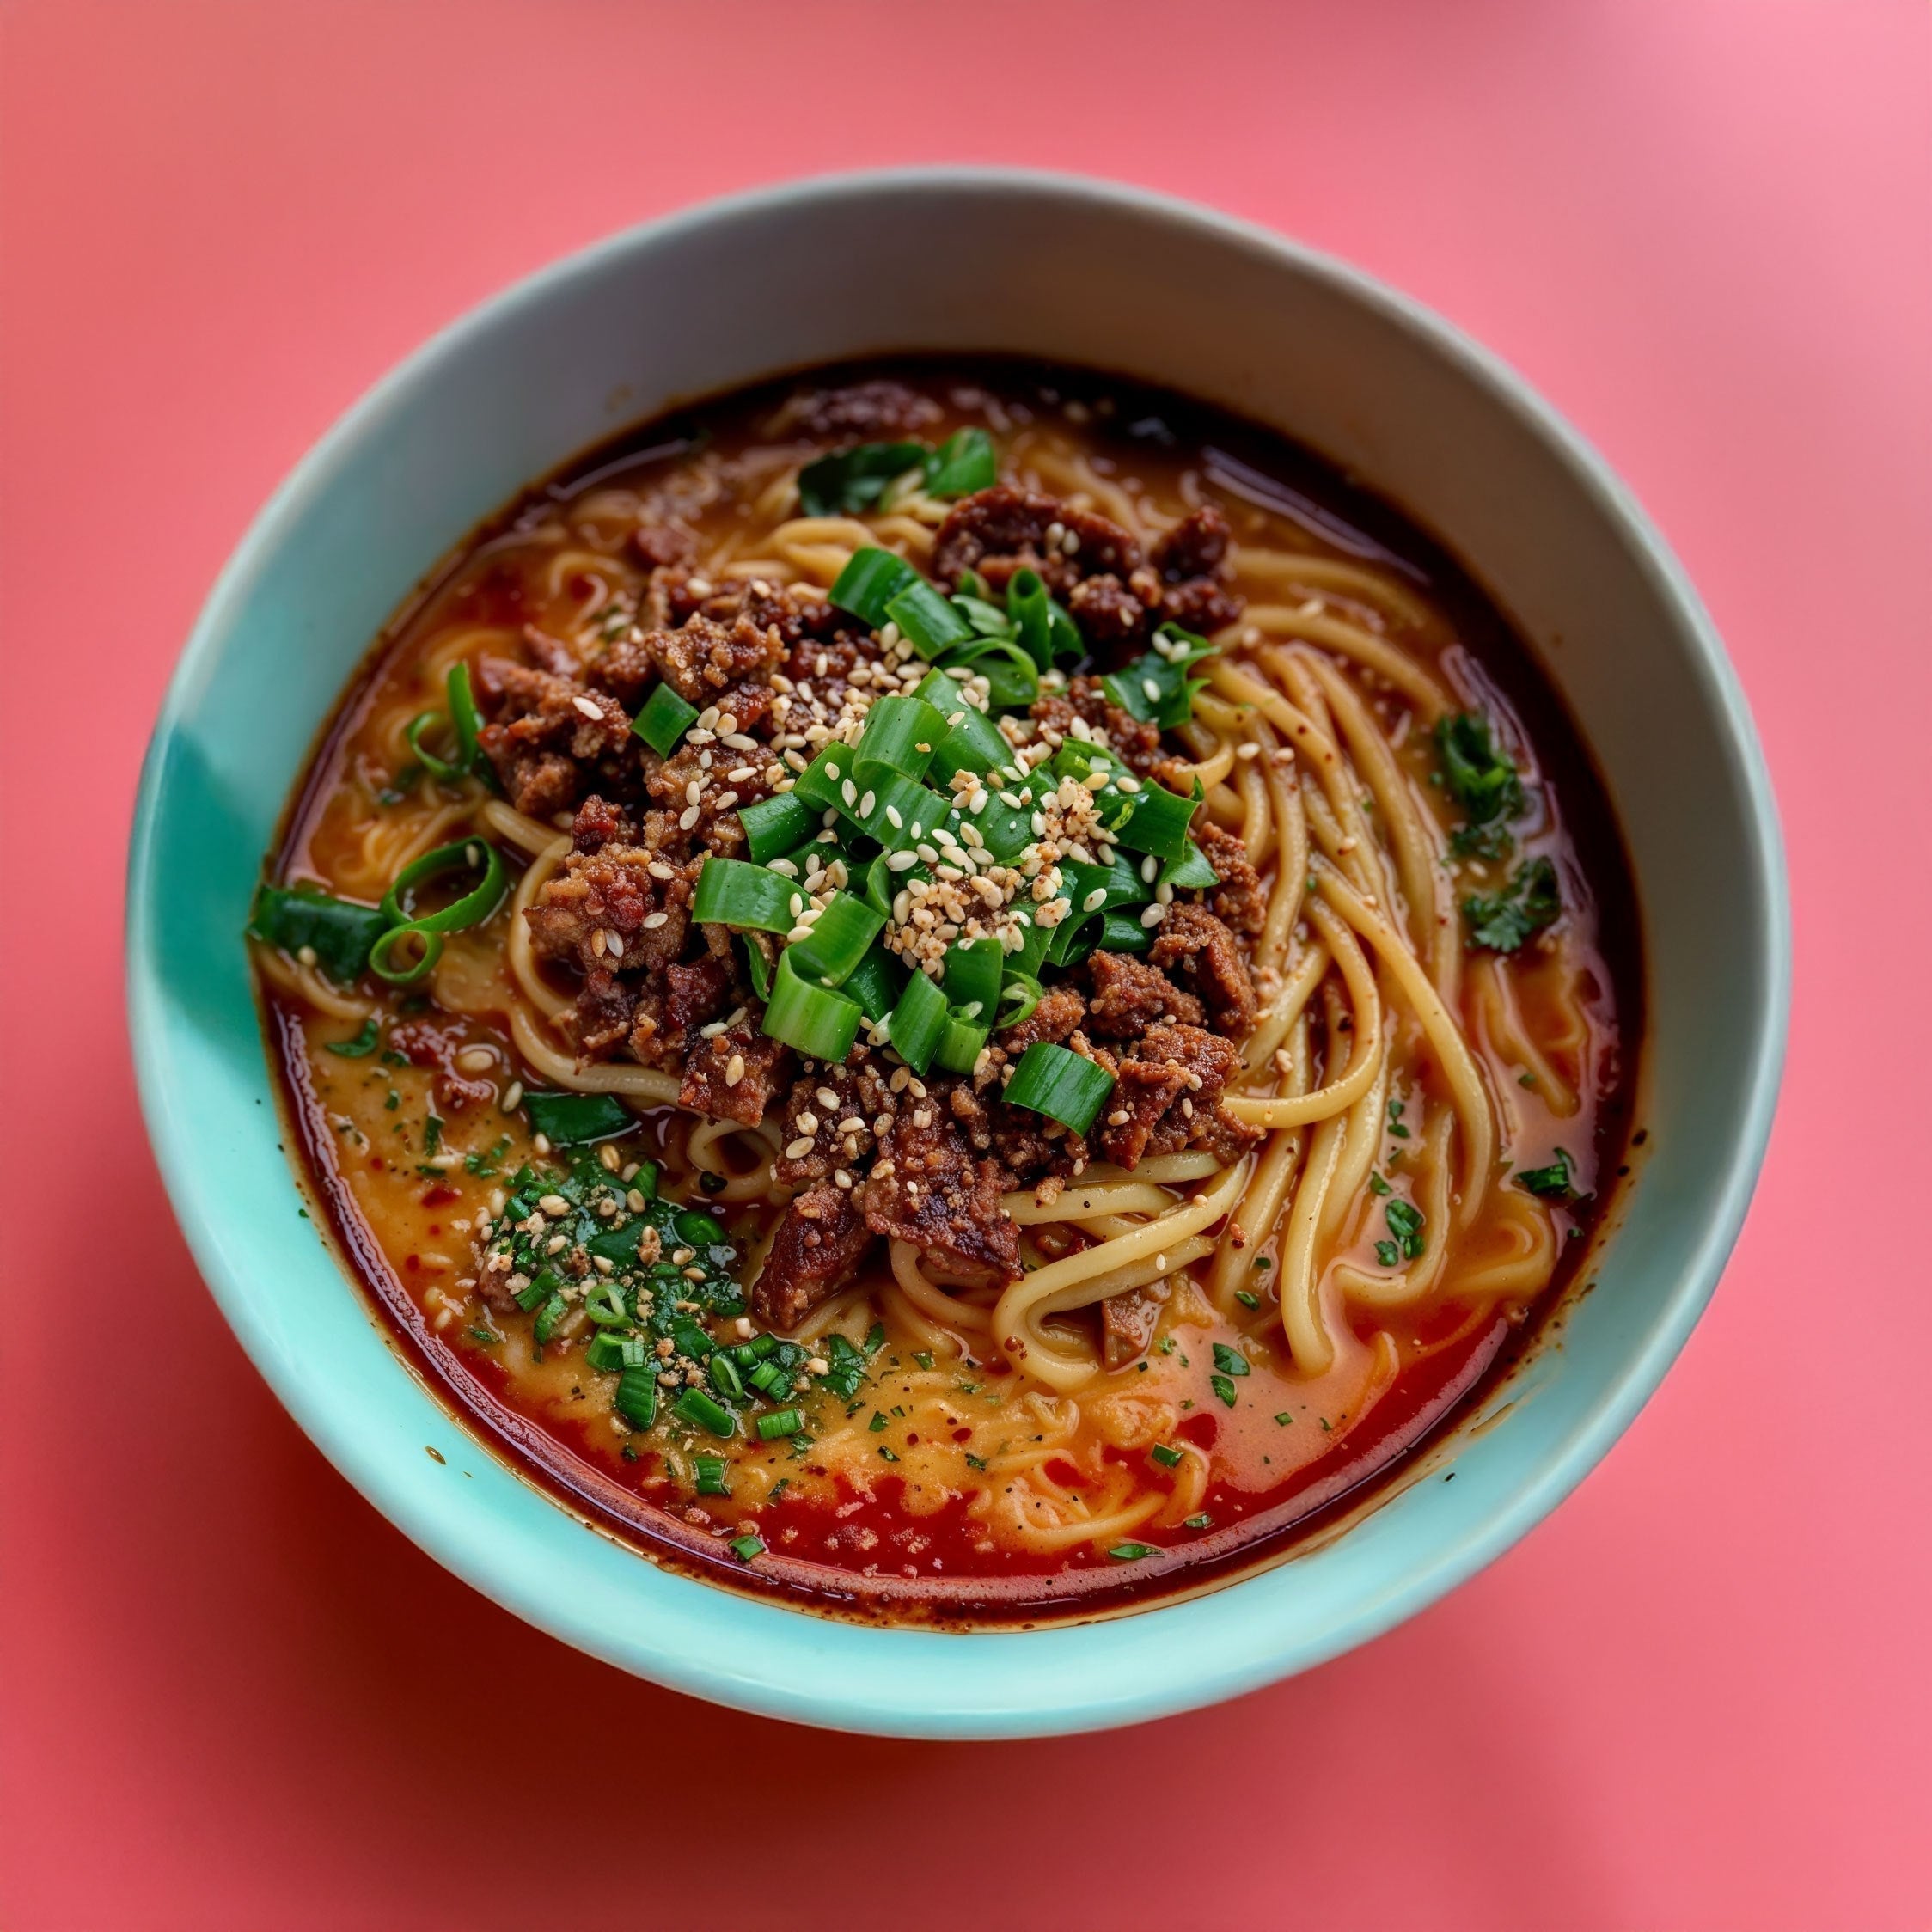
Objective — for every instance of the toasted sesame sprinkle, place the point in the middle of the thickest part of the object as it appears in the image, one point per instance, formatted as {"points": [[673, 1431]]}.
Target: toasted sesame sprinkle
{"points": [[588, 707]]}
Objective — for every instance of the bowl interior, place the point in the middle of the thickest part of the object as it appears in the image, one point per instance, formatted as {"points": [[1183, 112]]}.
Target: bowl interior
{"points": [[960, 262]]}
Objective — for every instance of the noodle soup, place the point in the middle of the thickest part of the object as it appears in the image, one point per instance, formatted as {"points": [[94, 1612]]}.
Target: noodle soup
{"points": [[961, 991]]}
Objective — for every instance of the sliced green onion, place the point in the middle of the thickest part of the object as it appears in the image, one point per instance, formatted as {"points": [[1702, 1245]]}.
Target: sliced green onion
{"points": [[817, 1021], [1157, 689], [1060, 1082], [339, 931], [1047, 632], [1131, 1552], [780, 1422], [465, 722], [636, 1398], [1159, 821], [1167, 1456], [703, 1411], [710, 1473], [751, 897], [546, 1284], [973, 741], [988, 620], [1123, 932], [549, 1316], [1190, 872], [690, 1340], [856, 479], [570, 1119], [445, 770], [820, 785], [1093, 891], [745, 1548], [926, 620], [635, 1351], [775, 825], [386, 965], [870, 581], [664, 719], [964, 463], [758, 966], [899, 738], [876, 982], [725, 1378], [471, 909], [603, 1302], [1011, 676], [962, 1044], [918, 1022], [971, 976], [839, 937], [604, 1353], [1017, 998]]}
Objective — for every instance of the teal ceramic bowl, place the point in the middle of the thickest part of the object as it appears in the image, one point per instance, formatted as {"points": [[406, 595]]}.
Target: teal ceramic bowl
{"points": [[1083, 272]]}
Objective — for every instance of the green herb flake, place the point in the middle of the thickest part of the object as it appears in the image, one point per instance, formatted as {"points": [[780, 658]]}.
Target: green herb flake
{"points": [[1223, 1387], [364, 1043], [1132, 1552]]}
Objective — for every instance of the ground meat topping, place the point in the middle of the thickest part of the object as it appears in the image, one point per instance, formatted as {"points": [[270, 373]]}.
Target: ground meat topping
{"points": [[927, 1188], [1205, 957], [1168, 1098], [1239, 902], [1130, 996], [543, 731], [1127, 1322], [820, 1240], [1106, 611], [832, 1120], [857, 412], [998, 531], [702, 658], [732, 1075]]}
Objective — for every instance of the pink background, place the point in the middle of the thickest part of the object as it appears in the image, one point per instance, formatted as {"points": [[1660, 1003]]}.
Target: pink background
{"points": [[1697, 1698]]}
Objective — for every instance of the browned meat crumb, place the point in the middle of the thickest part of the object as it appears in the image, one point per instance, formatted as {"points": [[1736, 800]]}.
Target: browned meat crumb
{"points": [[927, 1188], [856, 411], [760, 1066], [1238, 901], [1107, 612], [663, 543], [1005, 529], [543, 730], [702, 658], [1127, 1322], [830, 1117], [1205, 957], [1192, 560], [1059, 1012], [1087, 698], [1130, 996], [1167, 1098], [1195, 546], [620, 891], [820, 1240]]}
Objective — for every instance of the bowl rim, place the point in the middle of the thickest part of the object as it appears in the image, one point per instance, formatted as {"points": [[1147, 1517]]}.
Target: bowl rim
{"points": [[1074, 1705]]}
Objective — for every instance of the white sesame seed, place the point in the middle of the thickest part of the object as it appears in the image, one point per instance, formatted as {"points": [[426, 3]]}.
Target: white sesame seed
{"points": [[867, 804], [512, 1099], [615, 942], [796, 1150], [306, 955], [807, 1122], [726, 726], [1154, 915], [589, 708], [653, 920], [734, 1069], [688, 818], [1152, 687], [540, 1142], [553, 1204], [476, 1060]]}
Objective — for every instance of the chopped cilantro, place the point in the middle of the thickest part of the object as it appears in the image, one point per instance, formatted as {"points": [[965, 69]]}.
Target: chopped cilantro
{"points": [[1223, 1387], [1555, 1181], [1502, 921], [363, 1042]]}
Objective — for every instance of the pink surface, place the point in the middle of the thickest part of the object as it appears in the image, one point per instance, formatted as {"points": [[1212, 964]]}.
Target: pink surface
{"points": [[234, 1697]]}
